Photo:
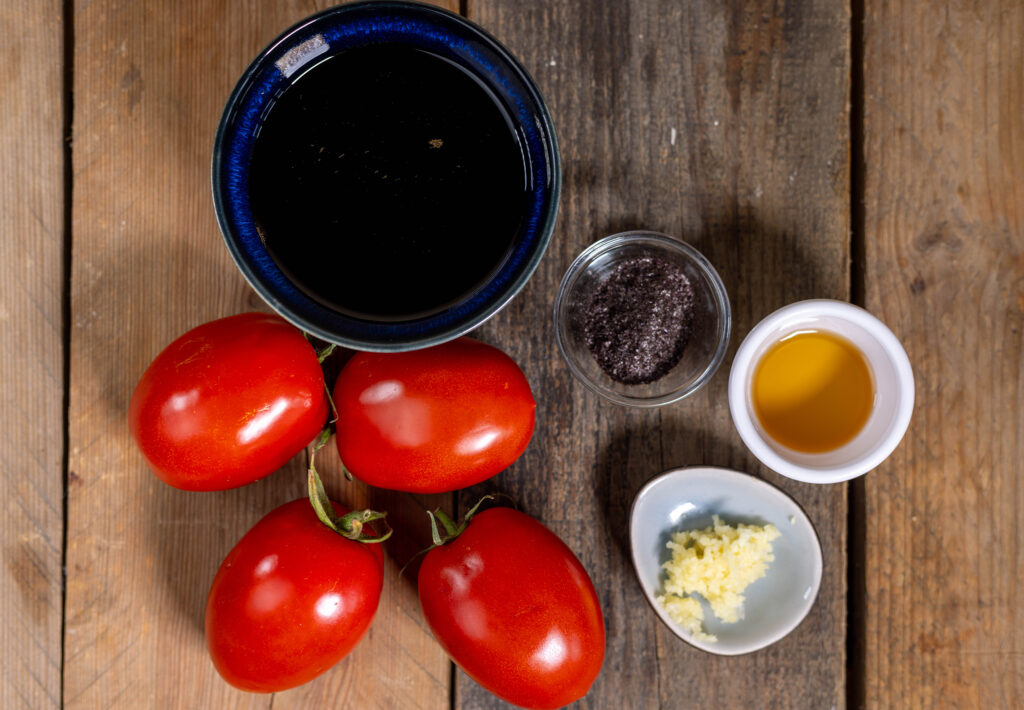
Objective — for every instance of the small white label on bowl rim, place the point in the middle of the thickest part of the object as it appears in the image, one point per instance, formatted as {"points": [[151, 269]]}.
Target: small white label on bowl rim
{"points": [[300, 55]]}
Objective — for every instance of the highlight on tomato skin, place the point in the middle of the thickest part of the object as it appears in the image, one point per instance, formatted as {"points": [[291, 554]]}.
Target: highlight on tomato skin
{"points": [[515, 609], [290, 600], [432, 420], [228, 403]]}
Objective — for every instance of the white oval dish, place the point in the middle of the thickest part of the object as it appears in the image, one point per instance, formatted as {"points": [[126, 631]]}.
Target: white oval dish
{"points": [[686, 499]]}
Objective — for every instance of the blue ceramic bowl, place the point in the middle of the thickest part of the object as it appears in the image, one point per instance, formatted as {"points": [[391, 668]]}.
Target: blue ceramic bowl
{"points": [[422, 27]]}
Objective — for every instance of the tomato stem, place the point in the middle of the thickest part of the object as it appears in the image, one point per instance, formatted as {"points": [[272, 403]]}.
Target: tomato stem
{"points": [[448, 523], [475, 508], [350, 525], [452, 530], [319, 442], [325, 353], [330, 401], [434, 534], [322, 355]]}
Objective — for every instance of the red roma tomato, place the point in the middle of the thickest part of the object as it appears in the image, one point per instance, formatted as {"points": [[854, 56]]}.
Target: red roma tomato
{"points": [[290, 600], [228, 403], [514, 608], [432, 420]]}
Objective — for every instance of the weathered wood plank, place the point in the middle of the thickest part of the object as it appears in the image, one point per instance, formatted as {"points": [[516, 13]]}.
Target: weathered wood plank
{"points": [[725, 124], [944, 156], [31, 351], [150, 82]]}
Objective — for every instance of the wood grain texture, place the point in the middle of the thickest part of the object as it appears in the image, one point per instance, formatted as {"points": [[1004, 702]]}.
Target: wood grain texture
{"points": [[724, 124], [944, 154], [31, 351], [151, 80]]}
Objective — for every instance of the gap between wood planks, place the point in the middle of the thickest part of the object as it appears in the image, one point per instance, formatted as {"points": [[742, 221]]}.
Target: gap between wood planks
{"points": [[67, 89], [856, 592]]}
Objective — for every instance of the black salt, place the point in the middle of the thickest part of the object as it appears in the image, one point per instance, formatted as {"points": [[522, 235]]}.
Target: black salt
{"points": [[640, 319]]}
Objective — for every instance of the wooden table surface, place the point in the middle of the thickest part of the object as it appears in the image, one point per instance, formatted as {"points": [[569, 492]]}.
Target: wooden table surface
{"points": [[861, 150]]}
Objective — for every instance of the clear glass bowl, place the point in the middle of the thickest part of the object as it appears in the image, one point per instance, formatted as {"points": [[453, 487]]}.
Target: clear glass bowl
{"points": [[712, 319]]}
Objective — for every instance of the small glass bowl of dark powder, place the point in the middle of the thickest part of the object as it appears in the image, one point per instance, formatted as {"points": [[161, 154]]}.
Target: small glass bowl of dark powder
{"points": [[642, 319]]}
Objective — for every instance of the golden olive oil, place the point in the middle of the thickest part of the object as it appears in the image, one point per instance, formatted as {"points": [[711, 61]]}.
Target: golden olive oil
{"points": [[813, 391]]}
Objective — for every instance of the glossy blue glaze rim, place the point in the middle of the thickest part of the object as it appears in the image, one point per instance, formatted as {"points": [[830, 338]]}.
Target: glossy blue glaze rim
{"points": [[425, 27]]}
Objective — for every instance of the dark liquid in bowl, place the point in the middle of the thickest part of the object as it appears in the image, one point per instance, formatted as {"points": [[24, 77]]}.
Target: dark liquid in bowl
{"points": [[387, 182]]}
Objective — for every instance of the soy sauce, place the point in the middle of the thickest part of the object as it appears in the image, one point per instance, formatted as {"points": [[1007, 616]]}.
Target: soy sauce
{"points": [[387, 182]]}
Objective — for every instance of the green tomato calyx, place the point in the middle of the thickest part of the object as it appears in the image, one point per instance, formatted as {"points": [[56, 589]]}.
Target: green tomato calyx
{"points": [[451, 529], [349, 525]]}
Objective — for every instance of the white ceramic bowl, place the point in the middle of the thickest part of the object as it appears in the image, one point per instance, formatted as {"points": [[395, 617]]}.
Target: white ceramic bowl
{"points": [[890, 370], [686, 499]]}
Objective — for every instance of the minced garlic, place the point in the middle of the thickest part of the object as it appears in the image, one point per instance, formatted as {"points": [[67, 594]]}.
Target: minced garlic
{"points": [[718, 563]]}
